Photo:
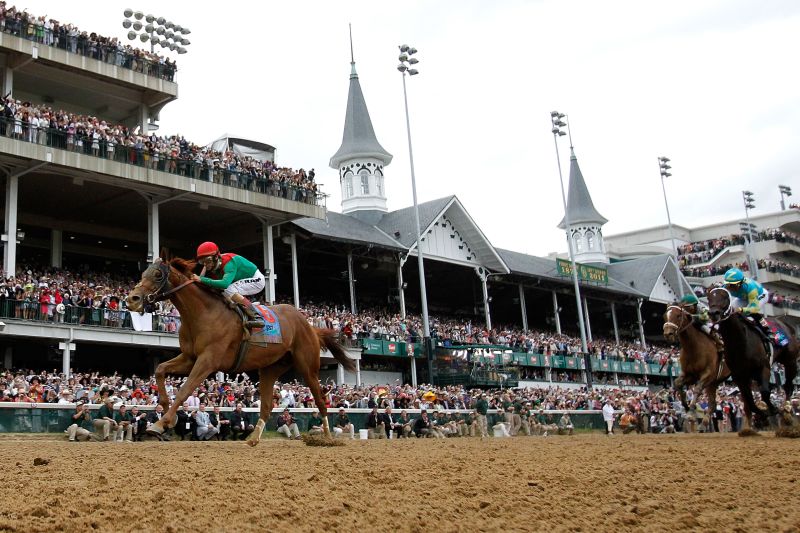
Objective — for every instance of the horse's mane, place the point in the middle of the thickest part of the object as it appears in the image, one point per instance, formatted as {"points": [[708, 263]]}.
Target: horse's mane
{"points": [[184, 266]]}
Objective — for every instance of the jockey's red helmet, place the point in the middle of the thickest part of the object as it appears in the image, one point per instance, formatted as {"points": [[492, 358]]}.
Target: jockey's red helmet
{"points": [[207, 248]]}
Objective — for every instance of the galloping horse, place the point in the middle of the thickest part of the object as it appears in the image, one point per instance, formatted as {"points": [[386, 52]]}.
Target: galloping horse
{"points": [[746, 354], [210, 336], [702, 367]]}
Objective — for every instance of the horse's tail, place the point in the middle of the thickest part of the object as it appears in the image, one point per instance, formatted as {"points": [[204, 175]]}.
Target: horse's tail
{"points": [[327, 340]]}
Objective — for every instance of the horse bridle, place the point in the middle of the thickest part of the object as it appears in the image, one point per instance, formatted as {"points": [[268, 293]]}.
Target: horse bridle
{"points": [[729, 311], [678, 328], [160, 294]]}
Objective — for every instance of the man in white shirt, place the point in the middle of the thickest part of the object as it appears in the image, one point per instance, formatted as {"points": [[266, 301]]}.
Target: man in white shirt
{"points": [[193, 401], [608, 417]]}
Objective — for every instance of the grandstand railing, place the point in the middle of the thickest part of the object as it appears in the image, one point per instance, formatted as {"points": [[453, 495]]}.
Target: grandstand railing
{"points": [[82, 316], [181, 166], [81, 45]]}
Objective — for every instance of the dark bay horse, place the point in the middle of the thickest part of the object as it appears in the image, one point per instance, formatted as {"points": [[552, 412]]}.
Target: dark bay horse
{"points": [[211, 333], [702, 367], [746, 354]]}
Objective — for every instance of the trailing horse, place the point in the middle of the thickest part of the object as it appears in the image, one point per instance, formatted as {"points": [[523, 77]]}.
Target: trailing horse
{"points": [[702, 366], [211, 335], [747, 356]]}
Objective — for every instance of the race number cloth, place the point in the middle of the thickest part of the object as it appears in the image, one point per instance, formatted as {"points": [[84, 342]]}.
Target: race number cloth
{"points": [[778, 335], [271, 332]]}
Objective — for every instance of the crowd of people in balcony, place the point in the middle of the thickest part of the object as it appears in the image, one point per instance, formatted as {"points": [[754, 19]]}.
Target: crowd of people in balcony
{"points": [[93, 136], [696, 253], [50, 32]]}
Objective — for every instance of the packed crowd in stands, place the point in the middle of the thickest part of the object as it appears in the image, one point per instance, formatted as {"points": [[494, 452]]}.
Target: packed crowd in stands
{"points": [[50, 32], [525, 411], [700, 252], [708, 271], [93, 136]]}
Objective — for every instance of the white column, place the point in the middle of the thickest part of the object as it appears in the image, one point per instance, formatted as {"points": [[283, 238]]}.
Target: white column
{"points": [[401, 291], [10, 249], [339, 374], [8, 357], [295, 278], [523, 308], [556, 313], [641, 325], [66, 360], [483, 276], [588, 324], [56, 248], [351, 282], [144, 115], [269, 262], [614, 320], [413, 371], [8, 81], [358, 372], [153, 244]]}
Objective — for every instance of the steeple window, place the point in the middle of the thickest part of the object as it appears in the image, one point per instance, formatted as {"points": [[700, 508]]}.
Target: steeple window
{"points": [[590, 240], [348, 186], [364, 175], [577, 242]]}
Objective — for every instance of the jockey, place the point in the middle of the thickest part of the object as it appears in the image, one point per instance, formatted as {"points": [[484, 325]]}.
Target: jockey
{"points": [[750, 296], [699, 312], [232, 273]]}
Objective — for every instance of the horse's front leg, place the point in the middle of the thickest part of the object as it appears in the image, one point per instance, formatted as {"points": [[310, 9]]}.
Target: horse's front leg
{"points": [[266, 380], [177, 366], [203, 366]]}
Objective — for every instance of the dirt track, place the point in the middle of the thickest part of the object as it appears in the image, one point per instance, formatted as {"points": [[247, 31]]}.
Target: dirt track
{"points": [[581, 483]]}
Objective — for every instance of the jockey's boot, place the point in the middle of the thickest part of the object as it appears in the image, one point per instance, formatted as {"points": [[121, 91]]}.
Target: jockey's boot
{"points": [[252, 319], [764, 328]]}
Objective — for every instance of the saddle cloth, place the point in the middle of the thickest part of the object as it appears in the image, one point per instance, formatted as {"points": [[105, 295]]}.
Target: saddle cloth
{"points": [[270, 332], [778, 334]]}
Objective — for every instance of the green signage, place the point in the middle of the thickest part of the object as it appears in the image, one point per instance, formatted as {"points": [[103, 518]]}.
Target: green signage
{"points": [[585, 273]]}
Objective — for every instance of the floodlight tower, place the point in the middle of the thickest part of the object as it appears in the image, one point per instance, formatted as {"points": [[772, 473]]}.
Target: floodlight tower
{"points": [[157, 30]]}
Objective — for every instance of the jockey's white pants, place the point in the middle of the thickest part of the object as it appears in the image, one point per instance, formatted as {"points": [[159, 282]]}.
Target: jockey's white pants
{"points": [[247, 286]]}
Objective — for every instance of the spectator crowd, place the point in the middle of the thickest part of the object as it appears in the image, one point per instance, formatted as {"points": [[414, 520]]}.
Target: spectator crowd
{"points": [[50, 32]]}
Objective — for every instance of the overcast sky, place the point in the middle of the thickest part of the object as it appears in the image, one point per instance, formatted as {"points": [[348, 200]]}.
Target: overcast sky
{"points": [[711, 84]]}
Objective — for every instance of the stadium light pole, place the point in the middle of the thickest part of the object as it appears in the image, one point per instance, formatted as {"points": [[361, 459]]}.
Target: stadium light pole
{"points": [[406, 62], [663, 167], [557, 122], [157, 30], [785, 191], [749, 203]]}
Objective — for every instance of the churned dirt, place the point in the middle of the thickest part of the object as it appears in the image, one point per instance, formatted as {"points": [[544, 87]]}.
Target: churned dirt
{"points": [[581, 483]]}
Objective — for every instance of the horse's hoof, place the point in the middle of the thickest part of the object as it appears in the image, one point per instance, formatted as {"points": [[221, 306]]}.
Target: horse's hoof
{"points": [[749, 433], [155, 433], [252, 443]]}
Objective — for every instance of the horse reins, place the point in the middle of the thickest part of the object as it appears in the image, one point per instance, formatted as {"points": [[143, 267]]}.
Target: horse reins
{"points": [[159, 294], [679, 329], [729, 311]]}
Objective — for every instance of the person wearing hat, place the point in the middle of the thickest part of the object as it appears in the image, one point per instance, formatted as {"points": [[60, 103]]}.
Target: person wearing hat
{"points": [[80, 424], [315, 423], [105, 423], [343, 426], [700, 319], [233, 274], [608, 416]]}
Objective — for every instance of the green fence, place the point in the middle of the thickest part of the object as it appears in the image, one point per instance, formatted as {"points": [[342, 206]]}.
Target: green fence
{"points": [[53, 418]]}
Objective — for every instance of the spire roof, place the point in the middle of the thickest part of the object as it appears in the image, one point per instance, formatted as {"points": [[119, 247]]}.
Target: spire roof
{"points": [[579, 202], [358, 139]]}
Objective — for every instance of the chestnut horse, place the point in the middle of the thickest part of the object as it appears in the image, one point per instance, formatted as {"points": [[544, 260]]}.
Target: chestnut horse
{"points": [[210, 336], [747, 357], [702, 367]]}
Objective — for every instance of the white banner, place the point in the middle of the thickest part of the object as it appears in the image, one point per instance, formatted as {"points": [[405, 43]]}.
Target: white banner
{"points": [[142, 322]]}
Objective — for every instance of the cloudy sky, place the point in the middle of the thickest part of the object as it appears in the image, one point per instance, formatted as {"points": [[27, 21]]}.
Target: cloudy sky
{"points": [[712, 84]]}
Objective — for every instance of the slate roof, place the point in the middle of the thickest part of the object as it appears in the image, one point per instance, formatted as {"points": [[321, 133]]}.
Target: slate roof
{"points": [[358, 139], [643, 272], [344, 228], [402, 220], [579, 202]]}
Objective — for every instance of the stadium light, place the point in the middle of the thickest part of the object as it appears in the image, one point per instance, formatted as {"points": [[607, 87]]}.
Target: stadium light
{"points": [[785, 191], [749, 203], [405, 60], [157, 30], [557, 122], [663, 168]]}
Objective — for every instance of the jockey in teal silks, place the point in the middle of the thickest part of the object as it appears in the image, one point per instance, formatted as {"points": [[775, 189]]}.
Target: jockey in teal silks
{"points": [[235, 275], [750, 297]]}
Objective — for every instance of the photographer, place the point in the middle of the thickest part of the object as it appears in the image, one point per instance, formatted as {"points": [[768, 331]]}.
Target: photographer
{"points": [[81, 424], [105, 423], [287, 426]]}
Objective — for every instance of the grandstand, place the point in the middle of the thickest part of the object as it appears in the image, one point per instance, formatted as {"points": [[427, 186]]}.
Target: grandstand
{"points": [[90, 188]]}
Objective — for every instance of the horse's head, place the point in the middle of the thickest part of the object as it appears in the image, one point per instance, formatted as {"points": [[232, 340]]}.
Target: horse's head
{"points": [[719, 304], [676, 319], [154, 283]]}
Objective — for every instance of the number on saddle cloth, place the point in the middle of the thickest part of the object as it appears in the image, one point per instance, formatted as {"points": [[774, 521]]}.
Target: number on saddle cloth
{"points": [[779, 336], [271, 331]]}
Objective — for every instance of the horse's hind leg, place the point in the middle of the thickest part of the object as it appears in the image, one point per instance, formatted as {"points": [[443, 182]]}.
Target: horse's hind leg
{"points": [[266, 381], [790, 369]]}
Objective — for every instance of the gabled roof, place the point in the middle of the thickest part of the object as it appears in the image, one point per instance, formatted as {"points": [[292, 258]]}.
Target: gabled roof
{"points": [[645, 273], [401, 225], [579, 202], [358, 139], [345, 228]]}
